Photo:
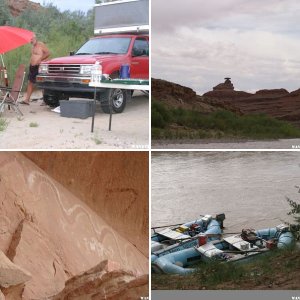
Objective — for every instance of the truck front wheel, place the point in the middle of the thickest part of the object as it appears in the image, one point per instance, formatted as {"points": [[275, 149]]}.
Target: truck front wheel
{"points": [[51, 98], [117, 98]]}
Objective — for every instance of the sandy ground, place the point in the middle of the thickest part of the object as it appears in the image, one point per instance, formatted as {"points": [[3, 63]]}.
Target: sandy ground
{"points": [[130, 129]]}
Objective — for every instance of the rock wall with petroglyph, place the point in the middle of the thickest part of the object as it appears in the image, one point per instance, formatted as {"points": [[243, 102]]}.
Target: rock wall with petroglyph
{"points": [[113, 184], [54, 236]]}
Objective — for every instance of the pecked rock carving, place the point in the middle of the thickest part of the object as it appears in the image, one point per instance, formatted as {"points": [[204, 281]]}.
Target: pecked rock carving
{"points": [[108, 183]]}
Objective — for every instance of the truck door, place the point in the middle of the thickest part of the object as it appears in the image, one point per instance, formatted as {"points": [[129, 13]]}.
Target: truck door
{"points": [[140, 58]]}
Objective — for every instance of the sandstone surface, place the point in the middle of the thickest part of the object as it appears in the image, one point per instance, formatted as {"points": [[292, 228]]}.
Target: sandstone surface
{"points": [[104, 282], [13, 292], [10, 273], [52, 234], [114, 185]]}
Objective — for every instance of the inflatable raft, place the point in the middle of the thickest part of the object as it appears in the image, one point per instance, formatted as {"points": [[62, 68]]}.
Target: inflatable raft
{"points": [[235, 248], [173, 239]]}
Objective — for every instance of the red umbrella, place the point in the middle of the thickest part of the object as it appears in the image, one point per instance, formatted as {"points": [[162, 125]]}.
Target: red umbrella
{"points": [[13, 37]]}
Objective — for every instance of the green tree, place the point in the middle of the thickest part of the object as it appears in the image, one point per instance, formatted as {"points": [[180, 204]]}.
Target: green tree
{"points": [[5, 16], [295, 213]]}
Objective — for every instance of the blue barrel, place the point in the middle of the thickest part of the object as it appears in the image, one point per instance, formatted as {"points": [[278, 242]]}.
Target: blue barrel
{"points": [[125, 71]]}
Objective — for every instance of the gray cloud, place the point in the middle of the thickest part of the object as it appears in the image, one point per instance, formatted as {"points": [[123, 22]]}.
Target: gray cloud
{"points": [[197, 43]]}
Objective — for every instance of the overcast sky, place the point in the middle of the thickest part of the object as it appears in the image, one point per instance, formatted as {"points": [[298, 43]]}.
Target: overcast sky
{"points": [[69, 4], [197, 43]]}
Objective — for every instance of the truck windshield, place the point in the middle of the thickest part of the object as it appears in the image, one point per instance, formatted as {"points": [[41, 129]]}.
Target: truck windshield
{"points": [[111, 45]]}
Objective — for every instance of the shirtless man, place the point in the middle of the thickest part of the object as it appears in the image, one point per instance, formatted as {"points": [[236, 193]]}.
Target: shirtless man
{"points": [[39, 52]]}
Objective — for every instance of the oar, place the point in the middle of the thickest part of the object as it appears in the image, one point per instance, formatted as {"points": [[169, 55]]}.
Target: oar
{"points": [[209, 235], [164, 226], [242, 251]]}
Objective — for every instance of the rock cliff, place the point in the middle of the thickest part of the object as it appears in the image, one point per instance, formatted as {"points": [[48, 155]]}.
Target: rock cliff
{"points": [[53, 236], [16, 7], [277, 103], [175, 95], [226, 86], [114, 185]]}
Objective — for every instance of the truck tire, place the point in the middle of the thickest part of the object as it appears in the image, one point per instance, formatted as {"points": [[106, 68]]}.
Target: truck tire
{"points": [[118, 98], [51, 98]]}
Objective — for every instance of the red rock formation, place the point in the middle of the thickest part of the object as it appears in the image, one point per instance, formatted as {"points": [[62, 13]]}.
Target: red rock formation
{"points": [[226, 86], [13, 292], [272, 93], [114, 185], [295, 93], [10, 273], [103, 282], [175, 95], [54, 235], [172, 92], [16, 7], [277, 103], [226, 95]]}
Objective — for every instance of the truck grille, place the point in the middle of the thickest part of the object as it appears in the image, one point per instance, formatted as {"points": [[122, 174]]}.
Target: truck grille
{"points": [[64, 69]]}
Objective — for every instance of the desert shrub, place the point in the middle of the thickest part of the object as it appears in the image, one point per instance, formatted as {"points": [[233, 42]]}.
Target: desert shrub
{"points": [[160, 115]]}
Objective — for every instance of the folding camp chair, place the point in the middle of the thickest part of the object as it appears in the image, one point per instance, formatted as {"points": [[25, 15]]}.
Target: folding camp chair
{"points": [[12, 94], [3, 81], [1, 77]]}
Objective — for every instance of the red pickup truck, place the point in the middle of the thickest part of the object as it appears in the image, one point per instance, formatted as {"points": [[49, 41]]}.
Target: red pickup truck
{"points": [[65, 77]]}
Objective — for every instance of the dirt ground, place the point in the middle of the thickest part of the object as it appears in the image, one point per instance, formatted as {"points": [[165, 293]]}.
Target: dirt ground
{"points": [[40, 128]]}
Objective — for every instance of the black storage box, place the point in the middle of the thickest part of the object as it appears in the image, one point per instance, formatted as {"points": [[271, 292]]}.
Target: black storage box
{"points": [[81, 109]]}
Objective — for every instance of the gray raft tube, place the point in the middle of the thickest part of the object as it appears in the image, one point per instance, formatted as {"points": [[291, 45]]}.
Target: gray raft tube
{"points": [[284, 239], [179, 262], [175, 262]]}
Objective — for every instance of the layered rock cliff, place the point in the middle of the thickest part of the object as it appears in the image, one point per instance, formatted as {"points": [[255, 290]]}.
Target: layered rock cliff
{"points": [[277, 103], [175, 95]]}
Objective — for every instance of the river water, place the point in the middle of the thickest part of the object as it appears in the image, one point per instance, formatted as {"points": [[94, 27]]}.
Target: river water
{"points": [[249, 187]]}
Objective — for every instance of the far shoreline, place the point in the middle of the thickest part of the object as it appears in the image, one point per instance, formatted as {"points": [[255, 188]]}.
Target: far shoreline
{"points": [[226, 143]]}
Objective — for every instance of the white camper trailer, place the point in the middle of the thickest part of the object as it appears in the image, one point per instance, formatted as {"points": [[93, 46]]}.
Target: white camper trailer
{"points": [[132, 17]]}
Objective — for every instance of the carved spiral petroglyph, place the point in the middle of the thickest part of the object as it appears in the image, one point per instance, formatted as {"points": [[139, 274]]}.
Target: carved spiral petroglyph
{"points": [[105, 242]]}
